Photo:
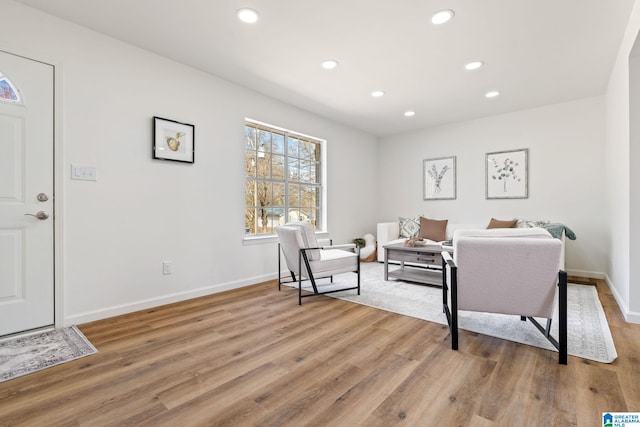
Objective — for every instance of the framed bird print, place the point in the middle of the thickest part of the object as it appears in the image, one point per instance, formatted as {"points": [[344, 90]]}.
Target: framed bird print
{"points": [[439, 178], [173, 140]]}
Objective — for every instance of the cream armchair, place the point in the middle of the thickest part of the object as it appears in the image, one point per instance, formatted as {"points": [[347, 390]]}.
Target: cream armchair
{"points": [[306, 260], [507, 271]]}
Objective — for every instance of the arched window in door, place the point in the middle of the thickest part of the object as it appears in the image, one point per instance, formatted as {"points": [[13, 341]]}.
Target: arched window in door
{"points": [[8, 91]]}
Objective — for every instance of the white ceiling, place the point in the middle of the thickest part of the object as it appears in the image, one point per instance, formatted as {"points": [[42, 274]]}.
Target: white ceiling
{"points": [[536, 52]]}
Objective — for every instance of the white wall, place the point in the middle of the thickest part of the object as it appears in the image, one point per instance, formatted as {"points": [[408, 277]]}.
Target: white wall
{"points": [[634, 177], [622, 191], [566, 173], [116, 232]]}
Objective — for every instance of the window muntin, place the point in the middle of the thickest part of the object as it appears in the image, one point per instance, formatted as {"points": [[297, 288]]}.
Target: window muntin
{"points": [[283, 179], [8, 91]]}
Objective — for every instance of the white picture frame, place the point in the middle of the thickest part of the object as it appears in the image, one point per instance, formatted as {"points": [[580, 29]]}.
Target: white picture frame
{"points": [[439, 178], [507, 174]]}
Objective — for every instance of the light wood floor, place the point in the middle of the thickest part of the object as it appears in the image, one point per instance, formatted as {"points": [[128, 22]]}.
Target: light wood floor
{"points": [[254, 357]]}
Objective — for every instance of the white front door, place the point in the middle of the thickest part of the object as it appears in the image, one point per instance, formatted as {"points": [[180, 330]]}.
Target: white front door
{"points": [[26, 194]]}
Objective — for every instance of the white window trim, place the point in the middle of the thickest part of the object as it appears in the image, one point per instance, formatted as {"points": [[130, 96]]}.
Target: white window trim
{"points": [[272, 238], [323, 233]]}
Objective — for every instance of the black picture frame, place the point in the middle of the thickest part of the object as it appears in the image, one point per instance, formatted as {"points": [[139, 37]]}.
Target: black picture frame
{"points": [[173, 140]]}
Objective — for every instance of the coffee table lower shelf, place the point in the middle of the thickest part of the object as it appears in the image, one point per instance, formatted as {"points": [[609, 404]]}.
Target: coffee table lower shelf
{"points": [[420, 264], [415, 274]]}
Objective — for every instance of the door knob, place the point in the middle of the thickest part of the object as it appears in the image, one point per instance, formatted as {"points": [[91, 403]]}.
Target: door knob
{"points": [[42, 215]]}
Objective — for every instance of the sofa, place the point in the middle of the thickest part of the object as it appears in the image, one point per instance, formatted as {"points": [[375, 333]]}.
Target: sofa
{"points": [[399, 231]]}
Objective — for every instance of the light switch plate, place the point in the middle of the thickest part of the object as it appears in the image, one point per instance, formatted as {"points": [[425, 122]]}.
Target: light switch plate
{"points": [[84, 173], [167, 267]]}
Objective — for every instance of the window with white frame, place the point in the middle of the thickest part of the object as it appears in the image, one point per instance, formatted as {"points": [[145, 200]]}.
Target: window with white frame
{"points": [[8, 91], [283, 178]]}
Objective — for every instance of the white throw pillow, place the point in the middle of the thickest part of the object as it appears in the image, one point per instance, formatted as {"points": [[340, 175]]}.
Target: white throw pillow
{"points": [[409, 227]]}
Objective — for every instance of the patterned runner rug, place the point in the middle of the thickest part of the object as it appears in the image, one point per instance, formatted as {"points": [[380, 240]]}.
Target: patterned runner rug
{"points": [[588, 330], [23, 355]]}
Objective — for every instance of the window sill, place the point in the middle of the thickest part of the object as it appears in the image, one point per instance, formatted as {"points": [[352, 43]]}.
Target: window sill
{"points": [[272, 238]]}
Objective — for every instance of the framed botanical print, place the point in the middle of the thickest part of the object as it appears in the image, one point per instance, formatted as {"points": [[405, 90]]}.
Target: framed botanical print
{"points": [[439, 178], [507, 174]]}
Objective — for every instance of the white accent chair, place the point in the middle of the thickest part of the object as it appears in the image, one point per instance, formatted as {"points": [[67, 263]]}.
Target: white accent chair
{"points": [[509, 271], [307, 260]]}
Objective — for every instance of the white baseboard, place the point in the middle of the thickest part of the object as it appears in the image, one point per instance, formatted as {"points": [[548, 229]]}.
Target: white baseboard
{"points": [[91, 316], [629, 316], [586, 274], [76, 319], [632, 317]]}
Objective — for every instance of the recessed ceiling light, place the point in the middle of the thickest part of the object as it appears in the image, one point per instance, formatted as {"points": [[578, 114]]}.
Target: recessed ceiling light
{"points": [[492, 94], [329, 64], [377, 93], [442, 17], [473, 65], [409, 113], [248, 16]]}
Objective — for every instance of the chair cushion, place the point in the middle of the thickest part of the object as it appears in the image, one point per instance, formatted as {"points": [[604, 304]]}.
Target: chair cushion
{"points": [[290, 238], [534, 232], [334, 260], [309, 239]]}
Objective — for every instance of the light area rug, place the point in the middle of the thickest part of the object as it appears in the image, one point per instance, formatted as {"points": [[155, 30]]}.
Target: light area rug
{"points": [[26, 354], [589, 335]]}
